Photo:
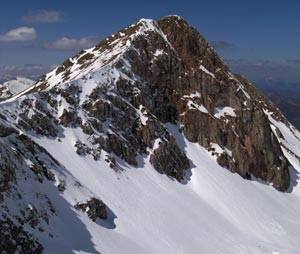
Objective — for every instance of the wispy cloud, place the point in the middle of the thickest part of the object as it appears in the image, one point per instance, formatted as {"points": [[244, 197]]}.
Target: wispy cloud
{"points": [[70, 43], [19, 34], [43, 16]]}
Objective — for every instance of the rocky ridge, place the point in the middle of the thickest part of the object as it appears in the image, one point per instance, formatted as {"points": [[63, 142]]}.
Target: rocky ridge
{"points": [[122, 91]]}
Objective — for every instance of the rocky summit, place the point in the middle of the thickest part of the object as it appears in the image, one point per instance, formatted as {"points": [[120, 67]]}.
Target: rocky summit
{"points": [[137, 138]]}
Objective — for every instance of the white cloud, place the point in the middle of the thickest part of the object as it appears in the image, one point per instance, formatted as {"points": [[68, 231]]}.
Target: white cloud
{"points": [[43, 16], [19, 34], [70, 44]]}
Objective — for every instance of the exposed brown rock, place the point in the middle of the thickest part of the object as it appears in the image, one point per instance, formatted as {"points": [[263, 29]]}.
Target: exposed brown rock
{"points": [[169, 159], [70, 118], [6, 131], [95, 208]]}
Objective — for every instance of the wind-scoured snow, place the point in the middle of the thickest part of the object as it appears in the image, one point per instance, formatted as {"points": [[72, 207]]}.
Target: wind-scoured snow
{"points": [[158, 52], [142, 115], [290, 135], [224, 111], [193, 105], [240, 85], [193, 95], [206, 71], [220, 150]]}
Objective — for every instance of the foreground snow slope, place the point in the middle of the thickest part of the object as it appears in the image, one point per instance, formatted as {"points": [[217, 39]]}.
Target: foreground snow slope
{"points": [[214, 212]]}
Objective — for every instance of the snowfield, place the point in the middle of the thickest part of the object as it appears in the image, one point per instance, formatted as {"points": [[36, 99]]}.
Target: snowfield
{"points": [[213, 211]]}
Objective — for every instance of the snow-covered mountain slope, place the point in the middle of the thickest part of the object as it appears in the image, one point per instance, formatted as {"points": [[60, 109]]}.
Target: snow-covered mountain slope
{"points": [[13, 87], [125, 149]]}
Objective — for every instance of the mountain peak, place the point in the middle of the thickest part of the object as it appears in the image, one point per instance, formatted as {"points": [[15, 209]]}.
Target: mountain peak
{"points": [[148, 22], [147, 126], [159, 66], [173, 18], [183, 39], [106, 52], [191, 46]]}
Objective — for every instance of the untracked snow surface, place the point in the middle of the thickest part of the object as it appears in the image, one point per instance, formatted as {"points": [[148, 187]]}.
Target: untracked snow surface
{"points": [[215, 211]]}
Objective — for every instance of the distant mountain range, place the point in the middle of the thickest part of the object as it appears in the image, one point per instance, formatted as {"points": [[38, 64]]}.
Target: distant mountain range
{"points": [[14, 86], [286, 96]]}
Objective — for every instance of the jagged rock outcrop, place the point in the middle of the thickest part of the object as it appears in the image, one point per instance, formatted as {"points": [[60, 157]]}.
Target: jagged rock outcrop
{"points": [[69, 118], [95, 208], [13, 239], [6, 131], [169, 159]]}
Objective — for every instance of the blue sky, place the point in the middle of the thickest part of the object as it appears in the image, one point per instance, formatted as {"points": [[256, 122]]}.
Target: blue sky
{"points": [[247, 34]]}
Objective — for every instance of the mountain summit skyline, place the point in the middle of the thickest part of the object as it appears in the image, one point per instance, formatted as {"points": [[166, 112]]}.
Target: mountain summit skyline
{"points": [[38, 35], [146, 142]]}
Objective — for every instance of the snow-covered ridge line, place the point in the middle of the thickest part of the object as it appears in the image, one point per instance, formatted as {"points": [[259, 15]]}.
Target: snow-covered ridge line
{"points": [[118, 44]]}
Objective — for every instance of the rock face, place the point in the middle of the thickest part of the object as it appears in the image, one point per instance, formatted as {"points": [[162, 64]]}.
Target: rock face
{"points": [[246, 132], [155, 73], [6, 131], [168, 159], [15, 240], [94, 208], [23, 161]]}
